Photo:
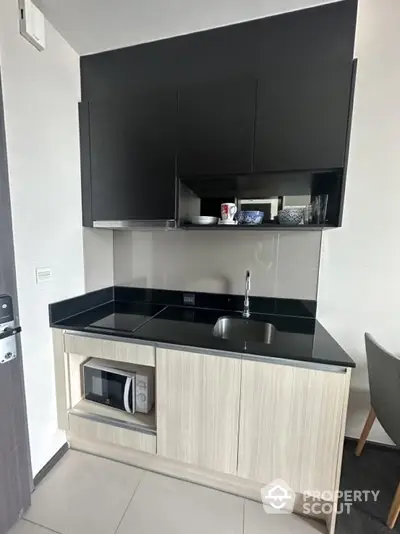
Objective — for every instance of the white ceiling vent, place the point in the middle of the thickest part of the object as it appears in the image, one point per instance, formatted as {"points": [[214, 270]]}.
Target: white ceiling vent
{"points": [[31, 24]]}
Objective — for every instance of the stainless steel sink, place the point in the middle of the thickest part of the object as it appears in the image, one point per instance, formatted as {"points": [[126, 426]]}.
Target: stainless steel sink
{"points": [[237, 329]]}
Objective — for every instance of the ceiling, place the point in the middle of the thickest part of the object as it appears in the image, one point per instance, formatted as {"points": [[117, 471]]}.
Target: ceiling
{"points": [[91, 26]]}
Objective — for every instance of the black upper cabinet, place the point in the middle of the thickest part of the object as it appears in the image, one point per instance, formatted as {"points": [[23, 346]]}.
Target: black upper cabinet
{"points": [[251, 48], [133, 156], [216, 128], [264, 96], [302, 117]]}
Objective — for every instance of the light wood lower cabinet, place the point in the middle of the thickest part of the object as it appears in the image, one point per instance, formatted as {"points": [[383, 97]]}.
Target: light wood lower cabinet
{"points": [[107, 349], [70, 353], [198, 409], [291, 425], [96, 431], [218, 416]]}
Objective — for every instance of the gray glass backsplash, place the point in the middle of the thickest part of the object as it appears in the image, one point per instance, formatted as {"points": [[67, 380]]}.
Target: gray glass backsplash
{"points": [[282, 264]]}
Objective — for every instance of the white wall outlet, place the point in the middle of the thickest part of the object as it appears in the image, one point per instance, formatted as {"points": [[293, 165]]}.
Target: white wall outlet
{"points": [[43, 274], [32, 24]]}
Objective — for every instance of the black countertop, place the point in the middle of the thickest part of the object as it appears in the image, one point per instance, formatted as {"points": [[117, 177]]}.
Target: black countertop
{"points": [[295, 338]]}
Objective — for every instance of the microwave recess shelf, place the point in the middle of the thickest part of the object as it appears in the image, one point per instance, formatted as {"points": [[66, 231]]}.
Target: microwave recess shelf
{"points": [[140, 422]]}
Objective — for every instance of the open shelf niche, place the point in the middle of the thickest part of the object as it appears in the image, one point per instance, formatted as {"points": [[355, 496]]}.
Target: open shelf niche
{"points": [[268, 192], [94, 411]]}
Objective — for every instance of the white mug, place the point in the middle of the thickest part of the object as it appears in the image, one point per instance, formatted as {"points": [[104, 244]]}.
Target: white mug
{"points": [[228, 211]]}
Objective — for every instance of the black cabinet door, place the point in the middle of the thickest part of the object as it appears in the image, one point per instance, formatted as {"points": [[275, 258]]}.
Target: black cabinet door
{"points": [[133, 156], [302, 116], [216, 128]]}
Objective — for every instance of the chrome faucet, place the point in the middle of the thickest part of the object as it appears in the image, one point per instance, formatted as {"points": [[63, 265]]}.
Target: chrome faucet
{"points": [[246, 308]]}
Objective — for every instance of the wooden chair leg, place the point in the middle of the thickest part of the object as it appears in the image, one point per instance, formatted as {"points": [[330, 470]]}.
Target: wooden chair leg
{"points": [[366, 430], [394, 509]]}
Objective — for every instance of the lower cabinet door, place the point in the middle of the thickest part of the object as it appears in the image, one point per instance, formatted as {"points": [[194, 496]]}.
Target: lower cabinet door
{"points": [[291, 425], [198, 409]]}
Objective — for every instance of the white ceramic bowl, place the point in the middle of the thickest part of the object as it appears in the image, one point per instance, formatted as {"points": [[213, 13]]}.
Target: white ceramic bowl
{"points": [[203, 219]]}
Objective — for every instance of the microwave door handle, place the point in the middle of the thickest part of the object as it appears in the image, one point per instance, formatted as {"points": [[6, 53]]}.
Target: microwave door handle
{"points": [[128, 386]]}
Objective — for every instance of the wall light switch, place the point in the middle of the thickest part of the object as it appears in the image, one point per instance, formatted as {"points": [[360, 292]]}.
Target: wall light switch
{"points": [[32, 24], [43, 274]]}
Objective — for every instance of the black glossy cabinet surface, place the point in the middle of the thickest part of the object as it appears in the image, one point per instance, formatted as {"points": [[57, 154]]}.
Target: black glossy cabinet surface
{"points": [[133, 156], [249, 100], [302, 118], [314, 35], [216, 128]]}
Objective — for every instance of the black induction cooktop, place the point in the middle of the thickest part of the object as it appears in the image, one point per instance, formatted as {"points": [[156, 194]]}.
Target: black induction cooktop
{"points": [[127, 316], [114, 316]]}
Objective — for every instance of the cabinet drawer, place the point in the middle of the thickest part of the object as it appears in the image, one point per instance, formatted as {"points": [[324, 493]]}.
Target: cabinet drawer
{"points": [[110, 350], [86, 429]]}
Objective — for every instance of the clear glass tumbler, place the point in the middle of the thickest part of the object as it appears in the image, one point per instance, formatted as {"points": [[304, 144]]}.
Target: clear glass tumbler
{"points": [[319, 209], [308, 214]]}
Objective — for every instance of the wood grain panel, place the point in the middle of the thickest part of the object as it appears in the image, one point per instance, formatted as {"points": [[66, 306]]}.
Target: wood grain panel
{"points": [[291, 425], [110, 350], [61, 371], [141, 422], [331, 520], [198, 409], [76, 388], [94, 431]]}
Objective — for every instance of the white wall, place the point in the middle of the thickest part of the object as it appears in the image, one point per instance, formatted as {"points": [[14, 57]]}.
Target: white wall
{"points": [[283, 264], [41, 91], [359, 281]]}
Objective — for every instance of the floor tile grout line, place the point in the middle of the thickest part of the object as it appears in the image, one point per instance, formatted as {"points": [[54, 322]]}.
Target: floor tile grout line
{"points": [[131, 499], [39, 525]]}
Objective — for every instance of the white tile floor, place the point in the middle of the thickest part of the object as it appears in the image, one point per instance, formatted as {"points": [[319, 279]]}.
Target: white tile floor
{"points": [[85, 494]]}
